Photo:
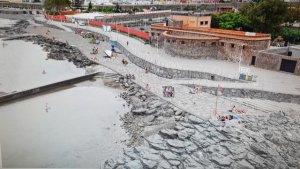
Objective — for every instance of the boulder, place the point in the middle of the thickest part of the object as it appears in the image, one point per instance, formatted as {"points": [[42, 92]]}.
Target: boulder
{"points": [[221, 160], [170, 133], [139, 111], [176, 143], [187, 132], [149, 119], [149, 164], [135, 164], [195, 120], [174, 162], [170, 156]]}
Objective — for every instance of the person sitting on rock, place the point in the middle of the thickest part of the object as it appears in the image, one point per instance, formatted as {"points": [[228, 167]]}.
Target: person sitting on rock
{"points": [[196, 89], [147, 87]]}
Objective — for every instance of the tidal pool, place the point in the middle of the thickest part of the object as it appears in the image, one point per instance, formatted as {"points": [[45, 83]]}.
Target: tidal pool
{"points": [[24, 66], [76, 127]]}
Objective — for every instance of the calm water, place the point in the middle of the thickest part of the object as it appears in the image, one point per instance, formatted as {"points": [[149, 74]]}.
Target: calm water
{"points": [[24, 66], [76, 127]]}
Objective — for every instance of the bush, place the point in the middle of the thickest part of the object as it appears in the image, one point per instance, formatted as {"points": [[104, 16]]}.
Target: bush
{"points": [[291, 35]]}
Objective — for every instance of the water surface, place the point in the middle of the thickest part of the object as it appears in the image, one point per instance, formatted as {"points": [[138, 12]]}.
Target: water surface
{"points": [[24, 66], [76, 127]]}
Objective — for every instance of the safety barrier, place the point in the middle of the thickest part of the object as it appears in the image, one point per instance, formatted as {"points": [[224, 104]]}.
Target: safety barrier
{"points": [[137, 33], [60, 18], [120, 28]]}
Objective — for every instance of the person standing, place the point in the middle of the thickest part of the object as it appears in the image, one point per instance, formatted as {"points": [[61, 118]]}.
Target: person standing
{"points": [[127, 43]]}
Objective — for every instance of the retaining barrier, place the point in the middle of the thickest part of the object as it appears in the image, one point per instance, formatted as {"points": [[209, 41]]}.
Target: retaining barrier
{"points": [[29, 92]]}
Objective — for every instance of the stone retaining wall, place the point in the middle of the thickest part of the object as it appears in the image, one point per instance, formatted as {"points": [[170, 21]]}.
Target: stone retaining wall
{"points": [[253, 93], [169, 72]]}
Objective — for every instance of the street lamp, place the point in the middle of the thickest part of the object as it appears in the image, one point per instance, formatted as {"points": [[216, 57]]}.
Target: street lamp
{"points": [[240, 58]]}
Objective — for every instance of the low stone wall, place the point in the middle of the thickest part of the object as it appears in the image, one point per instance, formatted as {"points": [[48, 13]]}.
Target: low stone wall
{"points": [[190, 50], [252, 93], [169, 72], [29, 92]]}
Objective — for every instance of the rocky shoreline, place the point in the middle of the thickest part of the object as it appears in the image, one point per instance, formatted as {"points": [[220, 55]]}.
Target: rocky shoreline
{"points": [[164, 137], [58, 50], [16, 29], [186, 141]]}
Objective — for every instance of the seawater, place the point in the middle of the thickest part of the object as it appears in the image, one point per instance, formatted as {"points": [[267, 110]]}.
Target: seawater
{"points": [[75, 127], [24, 65]]}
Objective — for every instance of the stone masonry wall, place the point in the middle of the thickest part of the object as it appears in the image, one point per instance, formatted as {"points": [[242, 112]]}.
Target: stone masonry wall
{"points": [[169, 72], [272, 61], [253, 94], [191, 49]]}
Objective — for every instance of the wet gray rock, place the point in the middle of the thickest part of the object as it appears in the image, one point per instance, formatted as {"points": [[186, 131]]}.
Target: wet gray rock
{"points": [[195, 120], [170, 156], [176, 143], [149, 119], [139, 111], [135, 164], [151, 111], [169, 133], [174, 162], [157, 142], [186, 133], [221, 160], [149, 164], [243, 164]]}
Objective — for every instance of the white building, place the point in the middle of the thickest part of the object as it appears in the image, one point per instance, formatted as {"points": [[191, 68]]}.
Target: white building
{"points": [[98, 2]]}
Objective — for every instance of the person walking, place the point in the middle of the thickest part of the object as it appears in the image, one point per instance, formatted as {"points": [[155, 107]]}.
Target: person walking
{"points": [[127, 43]]}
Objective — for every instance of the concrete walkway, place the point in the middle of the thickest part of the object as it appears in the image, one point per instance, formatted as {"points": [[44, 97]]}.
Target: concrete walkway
{"points": [[267, 80], [201, 104]]}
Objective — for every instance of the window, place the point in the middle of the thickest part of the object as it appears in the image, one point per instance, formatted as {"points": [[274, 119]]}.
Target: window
{"points": [[222, 44], [201, 23], [232, 45], [152, 34], [244, 46], [206, 22], [168, 40], [213, 44], [182, 42], [202, 43], [174, 41]]}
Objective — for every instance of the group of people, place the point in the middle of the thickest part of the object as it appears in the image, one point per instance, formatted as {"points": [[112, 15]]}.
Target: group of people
{"points": [[168, 91], [195, 90], [232, 114], [130, 76]]}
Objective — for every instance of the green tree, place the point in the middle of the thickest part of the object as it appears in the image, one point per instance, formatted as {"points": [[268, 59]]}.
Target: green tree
{"points": [[293, 14], [118, 9], [56, 5], [90, 7], [77, 3], [266, 15], [291, 35], [230, 21]]}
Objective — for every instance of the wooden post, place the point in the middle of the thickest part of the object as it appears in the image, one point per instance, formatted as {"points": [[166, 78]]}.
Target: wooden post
{"points": [[0, 157]]}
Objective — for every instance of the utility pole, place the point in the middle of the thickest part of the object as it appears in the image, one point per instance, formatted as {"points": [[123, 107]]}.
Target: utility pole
{"points": [[240, 59]]}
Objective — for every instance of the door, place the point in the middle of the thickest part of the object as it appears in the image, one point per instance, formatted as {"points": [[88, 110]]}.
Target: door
{"points": [[288, 65], [253, 60]]}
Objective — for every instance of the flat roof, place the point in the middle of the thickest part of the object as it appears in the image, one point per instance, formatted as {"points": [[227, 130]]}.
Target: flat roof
{"points": [[214, 30]]}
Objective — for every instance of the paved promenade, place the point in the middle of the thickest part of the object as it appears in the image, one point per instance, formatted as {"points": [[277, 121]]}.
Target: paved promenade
{"points": [[280, 82], [201, 104]]}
